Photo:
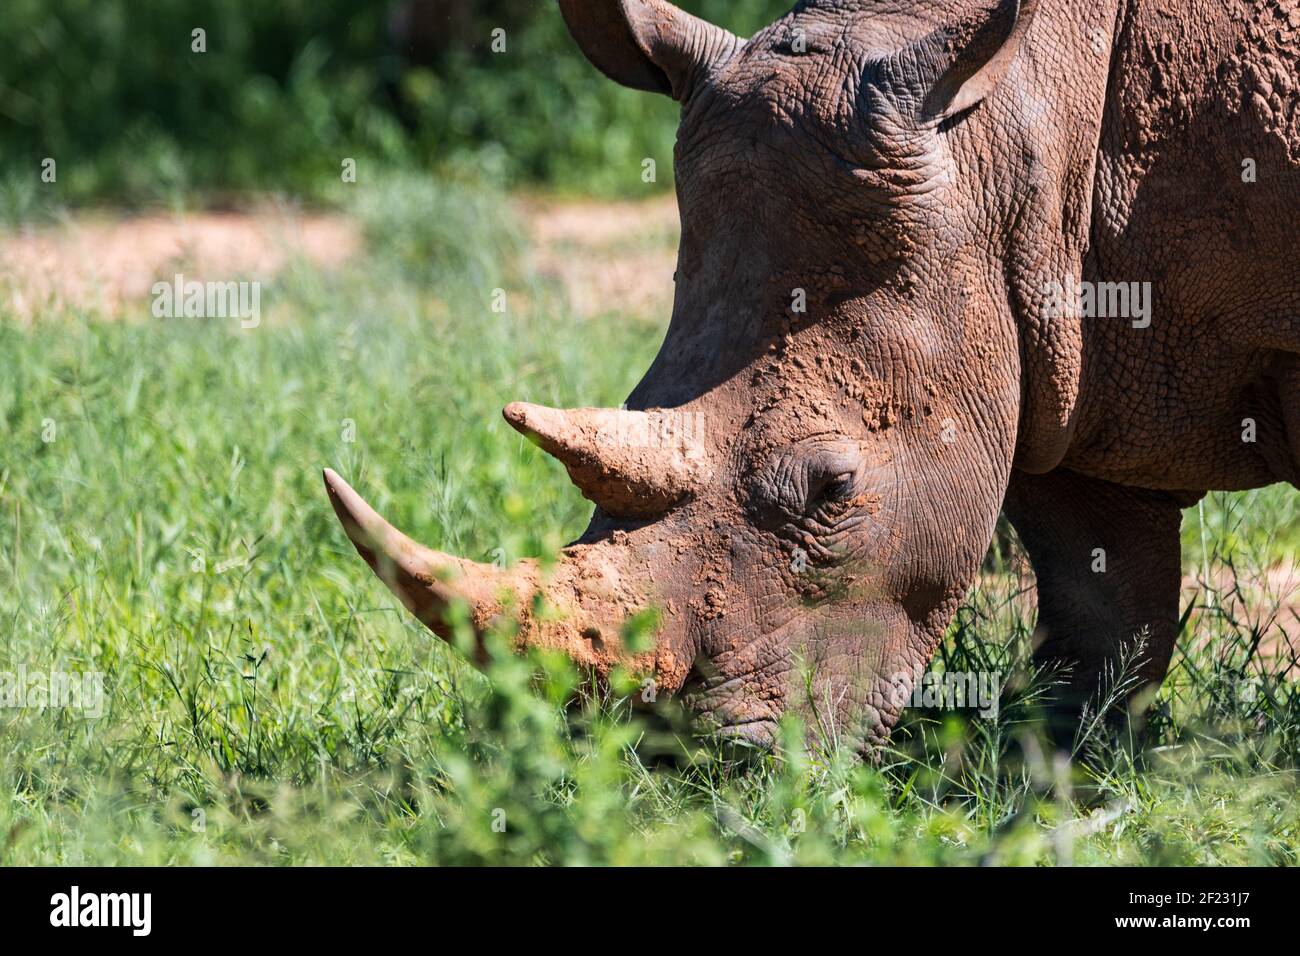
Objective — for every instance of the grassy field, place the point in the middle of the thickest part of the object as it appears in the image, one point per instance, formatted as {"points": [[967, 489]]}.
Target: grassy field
{"points": [[162, 523]]}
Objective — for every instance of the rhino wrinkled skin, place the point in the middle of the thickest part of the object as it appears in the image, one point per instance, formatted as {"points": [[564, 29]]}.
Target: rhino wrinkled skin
{"points": [[806, 493]]}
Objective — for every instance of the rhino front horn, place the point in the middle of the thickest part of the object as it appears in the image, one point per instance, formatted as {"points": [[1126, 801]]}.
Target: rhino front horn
{"points": [[424, 580], [631, 464], [587, 595]]}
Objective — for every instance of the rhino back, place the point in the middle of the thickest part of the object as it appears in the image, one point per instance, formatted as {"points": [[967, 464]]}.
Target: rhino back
{"points": [[1198, 193]]}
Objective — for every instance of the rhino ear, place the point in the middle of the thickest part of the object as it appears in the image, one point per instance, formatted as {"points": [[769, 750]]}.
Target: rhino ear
{"points": [[963, 63], [647, 44]]}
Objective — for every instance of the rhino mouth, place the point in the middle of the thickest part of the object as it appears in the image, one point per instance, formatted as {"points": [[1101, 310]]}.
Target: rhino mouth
{"points": [[757, 733], [748, 708]]}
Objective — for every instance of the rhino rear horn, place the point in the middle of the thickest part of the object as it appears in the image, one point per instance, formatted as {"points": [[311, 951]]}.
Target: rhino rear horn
{"points": [[631, 464], [648, 45]]}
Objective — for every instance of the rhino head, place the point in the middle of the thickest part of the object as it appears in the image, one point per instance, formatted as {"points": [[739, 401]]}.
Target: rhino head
{"points": [[806, 479]]}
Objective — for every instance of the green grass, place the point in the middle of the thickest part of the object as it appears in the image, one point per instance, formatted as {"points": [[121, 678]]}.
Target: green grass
{"points": [[268, 702]]}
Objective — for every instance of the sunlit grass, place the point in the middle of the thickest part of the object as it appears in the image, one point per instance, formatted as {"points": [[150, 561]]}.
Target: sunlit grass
{"points": [[162, 522]]}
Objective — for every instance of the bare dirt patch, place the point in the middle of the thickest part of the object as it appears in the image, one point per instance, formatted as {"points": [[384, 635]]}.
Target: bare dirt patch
{"points": [[610, 257], [107, 264], [1266, 603]]}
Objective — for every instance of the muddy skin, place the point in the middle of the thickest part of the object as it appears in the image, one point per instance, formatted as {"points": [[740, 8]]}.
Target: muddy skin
{"points": [[864, 361]]}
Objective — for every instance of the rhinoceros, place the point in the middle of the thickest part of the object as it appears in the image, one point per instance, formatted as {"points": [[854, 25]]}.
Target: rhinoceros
{"points": [[938, 260]]}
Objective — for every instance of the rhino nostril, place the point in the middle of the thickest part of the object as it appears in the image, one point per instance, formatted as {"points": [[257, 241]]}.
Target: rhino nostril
{"points": [[702, 675], [593, 636]]}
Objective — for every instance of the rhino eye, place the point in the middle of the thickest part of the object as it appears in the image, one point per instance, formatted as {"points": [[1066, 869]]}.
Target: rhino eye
{"points": [[834, 481], [816, 481], [841, 487]]}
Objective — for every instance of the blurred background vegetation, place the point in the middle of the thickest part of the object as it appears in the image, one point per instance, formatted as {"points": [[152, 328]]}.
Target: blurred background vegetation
{"points": [[112, 90]]}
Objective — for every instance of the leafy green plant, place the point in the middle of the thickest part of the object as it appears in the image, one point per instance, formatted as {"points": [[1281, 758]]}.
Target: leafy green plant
{"points": [[119, 95]]}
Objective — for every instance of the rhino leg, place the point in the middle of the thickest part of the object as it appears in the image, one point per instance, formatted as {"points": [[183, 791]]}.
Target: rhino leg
{"points": [[1107, 559]]}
